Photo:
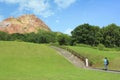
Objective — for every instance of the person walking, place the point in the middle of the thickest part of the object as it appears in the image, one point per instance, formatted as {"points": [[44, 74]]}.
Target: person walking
{"points": [[106, 62], [86, 62]]}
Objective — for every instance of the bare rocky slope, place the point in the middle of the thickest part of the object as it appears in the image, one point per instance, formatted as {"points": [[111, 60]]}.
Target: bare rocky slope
{"points": [[23, 24]]}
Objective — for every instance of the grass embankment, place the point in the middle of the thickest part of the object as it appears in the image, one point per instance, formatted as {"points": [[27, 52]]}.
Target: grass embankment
{"points": [[97, 56], [28, 61]]}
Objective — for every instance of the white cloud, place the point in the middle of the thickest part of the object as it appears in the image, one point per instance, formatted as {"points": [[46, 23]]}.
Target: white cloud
{"points": [[64, 3], [10, 1], [57, 21], [68, 31], [42, 8], [38, 7]]}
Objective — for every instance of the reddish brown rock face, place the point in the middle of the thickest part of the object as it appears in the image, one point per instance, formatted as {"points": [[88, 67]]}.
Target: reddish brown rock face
{"points": [[23, 24]]}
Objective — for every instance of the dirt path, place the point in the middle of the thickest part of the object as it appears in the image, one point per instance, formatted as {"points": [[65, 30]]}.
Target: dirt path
{"points": [[76, 61]]}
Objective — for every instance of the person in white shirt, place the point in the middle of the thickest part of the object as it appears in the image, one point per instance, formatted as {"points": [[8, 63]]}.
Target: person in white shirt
{"points": [[86, 62]]}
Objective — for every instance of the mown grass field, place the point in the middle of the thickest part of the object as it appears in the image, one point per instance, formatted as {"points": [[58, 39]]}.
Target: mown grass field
{"points": [[28, 61], [97, 56]]}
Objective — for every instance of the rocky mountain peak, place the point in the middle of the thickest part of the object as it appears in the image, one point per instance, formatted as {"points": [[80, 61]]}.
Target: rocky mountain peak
{"points": [[23, 24]]}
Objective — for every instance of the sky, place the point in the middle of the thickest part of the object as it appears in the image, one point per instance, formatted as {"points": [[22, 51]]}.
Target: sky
{"points": [[64, 15]]}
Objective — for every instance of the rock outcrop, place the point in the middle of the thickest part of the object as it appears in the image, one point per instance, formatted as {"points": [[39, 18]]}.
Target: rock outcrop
{"points": [[23, 24]]}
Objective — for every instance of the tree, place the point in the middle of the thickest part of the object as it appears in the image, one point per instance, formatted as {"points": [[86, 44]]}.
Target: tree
{"points": [[111, 35], [30, 37], [87, 34], [46, 37], [17, 36], [64, 39], [4, 36], [40, 37]]}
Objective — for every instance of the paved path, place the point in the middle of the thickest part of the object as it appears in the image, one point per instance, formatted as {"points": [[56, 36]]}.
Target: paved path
{"points": [[76, 61], [110, 71], [70, 57]]}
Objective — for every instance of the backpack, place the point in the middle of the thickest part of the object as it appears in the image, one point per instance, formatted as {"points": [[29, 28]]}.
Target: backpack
{"points": [[107, 62]]}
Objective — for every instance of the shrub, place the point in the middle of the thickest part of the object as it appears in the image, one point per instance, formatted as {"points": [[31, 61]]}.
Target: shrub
{"points": [[101, 47]]}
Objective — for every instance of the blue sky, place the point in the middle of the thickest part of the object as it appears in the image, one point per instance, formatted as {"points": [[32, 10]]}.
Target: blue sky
{"points": [[64, 15]]}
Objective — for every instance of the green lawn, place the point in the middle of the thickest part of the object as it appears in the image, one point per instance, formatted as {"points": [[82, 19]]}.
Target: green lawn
{"points": [[97, 56], [28, 61]]}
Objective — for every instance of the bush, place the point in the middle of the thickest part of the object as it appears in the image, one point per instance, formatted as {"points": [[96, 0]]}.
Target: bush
{"points": [[64, 39], [101, 47]]}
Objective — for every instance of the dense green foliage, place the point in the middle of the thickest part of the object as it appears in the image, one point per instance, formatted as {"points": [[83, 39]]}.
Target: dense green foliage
{"points": [[111, 35], [40, 37], [94, 35], [64, 39], [28, 61], [4, 36], [87, 34]]}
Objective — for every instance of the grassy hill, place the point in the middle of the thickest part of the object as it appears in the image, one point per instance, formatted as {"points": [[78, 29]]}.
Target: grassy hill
{"points": [[28, 61], [96, 56]]}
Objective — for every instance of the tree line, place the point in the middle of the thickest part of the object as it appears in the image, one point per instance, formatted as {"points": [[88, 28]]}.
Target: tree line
{"points": [[92, 35], [40, 37], [109, 36]]}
